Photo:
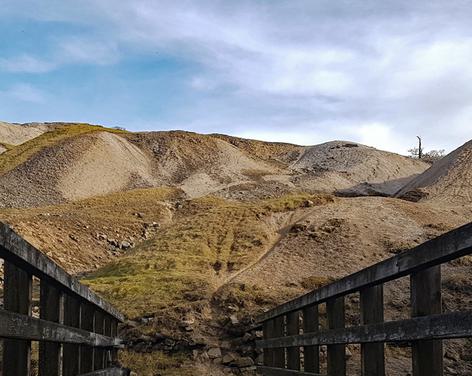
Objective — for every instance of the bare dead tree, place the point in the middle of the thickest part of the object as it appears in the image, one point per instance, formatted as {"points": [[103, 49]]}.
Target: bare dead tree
{"points": [[420, 148]]}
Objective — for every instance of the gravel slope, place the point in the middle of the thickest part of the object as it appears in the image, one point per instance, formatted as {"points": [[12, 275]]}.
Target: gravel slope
{"points": [[16, 134], [448, 180]]}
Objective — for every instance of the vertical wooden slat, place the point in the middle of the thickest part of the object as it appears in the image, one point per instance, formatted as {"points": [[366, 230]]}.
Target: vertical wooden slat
{"points": [[71, 353], [17, 297], [268, 328], [87, 313], [99, 354], [114, 333], [107, 332], [311, 353], [279, 353], [426, 300], [50, 310], [293, 353], [336, 353], [372, 311]]}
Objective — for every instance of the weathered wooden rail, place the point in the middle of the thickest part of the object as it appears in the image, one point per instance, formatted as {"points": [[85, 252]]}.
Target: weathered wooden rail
{"points": [[76, 329], [284, 339]]}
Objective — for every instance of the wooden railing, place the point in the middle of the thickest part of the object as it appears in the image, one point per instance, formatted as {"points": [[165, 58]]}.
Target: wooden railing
{"points": [[76, 329], [287, 352]]}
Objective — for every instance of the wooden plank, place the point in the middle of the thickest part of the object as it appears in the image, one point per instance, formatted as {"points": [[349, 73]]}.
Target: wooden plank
{"points": [[15, 249], [293, 353], [270, 371], [279, 353], [311, 353], [99, 355], [427, 355], [114, 333], [17, 297], [372, 311], [22, 327], [71, 353], [444, 326], [268, 330], [50, 310], [450, 246], [107, 332], [336, 353], [87, 321], [109, 372]]}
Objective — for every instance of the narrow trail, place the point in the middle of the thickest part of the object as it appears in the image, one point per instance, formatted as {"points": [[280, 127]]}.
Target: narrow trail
{"points": [[214, 333], [282, 233]]}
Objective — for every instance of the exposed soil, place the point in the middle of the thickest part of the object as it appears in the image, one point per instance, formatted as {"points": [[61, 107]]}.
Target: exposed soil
{"points": [[448, 180], [223, 228], [16, 134]]}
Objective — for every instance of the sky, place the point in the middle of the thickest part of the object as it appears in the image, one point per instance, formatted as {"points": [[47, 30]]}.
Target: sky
{"points": [[300, 71]]}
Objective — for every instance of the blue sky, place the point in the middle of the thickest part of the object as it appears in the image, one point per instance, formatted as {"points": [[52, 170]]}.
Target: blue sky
{"points": [[298, 71]]}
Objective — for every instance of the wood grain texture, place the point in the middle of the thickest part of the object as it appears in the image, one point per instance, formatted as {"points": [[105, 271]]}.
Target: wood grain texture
{"points": [[372, 311], [17, 295]]}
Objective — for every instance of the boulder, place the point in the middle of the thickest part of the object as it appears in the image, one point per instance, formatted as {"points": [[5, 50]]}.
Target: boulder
{"points": [[214, 352], [244, 362]]}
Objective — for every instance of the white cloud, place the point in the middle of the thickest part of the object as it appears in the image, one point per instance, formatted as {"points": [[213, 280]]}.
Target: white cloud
{"points": [[378, 72], [87, 51], [24, 93], [381, 136], [27, 64]]}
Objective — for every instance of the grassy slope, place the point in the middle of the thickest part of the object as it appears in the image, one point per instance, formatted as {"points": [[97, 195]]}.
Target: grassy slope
{"points": [[68, 232], [21, 153], [185, 262]]}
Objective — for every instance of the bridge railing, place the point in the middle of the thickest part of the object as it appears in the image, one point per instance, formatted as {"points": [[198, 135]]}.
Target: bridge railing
{"points": [[286, 339], [76, 329]]}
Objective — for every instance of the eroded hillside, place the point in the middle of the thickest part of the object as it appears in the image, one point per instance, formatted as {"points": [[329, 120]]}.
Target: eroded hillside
{"points": [[69, 162], [193, 235]]}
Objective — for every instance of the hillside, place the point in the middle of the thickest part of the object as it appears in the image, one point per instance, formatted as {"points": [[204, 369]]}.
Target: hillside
{"points": [[76, 161], [193, 235], [15, 134], [449, 180]]}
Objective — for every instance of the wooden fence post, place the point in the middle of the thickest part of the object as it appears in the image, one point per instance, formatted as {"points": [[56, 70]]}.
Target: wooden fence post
{"points": [[99, 356], [311, 353], [426, 300], [336, 353], [268, 330], [17, 297], [372, 311], [107, 332], [50, 310], [71, 353], [114, 333], [293, 353], [87, 313], [279, 353]]}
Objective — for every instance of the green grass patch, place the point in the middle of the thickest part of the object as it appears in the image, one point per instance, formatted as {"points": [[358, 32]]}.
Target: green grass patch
{"points": [[209, 239]]}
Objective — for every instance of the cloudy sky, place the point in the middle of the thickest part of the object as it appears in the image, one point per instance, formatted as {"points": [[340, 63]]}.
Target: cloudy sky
{"points": [[302, 71]]}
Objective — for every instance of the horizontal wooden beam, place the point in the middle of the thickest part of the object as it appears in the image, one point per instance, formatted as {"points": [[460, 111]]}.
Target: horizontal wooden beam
{"points": [[18, 251], [109, 372], [450, 246], [443, 326], [16, 326], [270, 371]]}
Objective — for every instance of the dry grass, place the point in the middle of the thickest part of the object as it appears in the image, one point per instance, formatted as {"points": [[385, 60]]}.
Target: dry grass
{"points": [[155, 363], [185, 262], [16, 155]]}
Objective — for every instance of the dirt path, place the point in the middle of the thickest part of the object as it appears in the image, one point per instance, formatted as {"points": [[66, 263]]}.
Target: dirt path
{"points": [[282, 233]]}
